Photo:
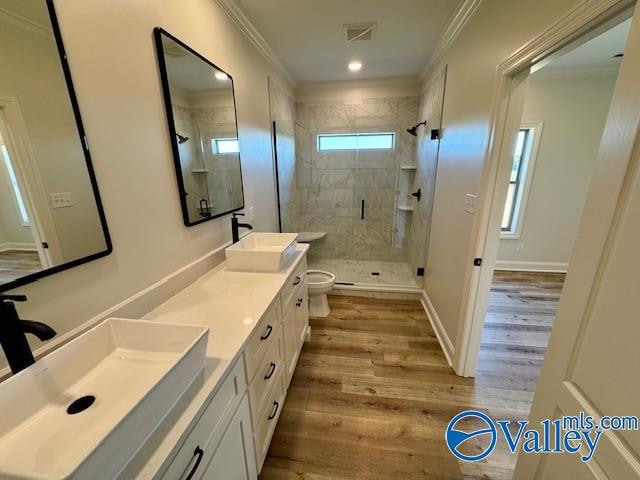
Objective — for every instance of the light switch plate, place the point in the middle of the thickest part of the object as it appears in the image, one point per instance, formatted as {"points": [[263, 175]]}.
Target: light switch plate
{"points": [[61, 200], [470, 203], [251, 214]]}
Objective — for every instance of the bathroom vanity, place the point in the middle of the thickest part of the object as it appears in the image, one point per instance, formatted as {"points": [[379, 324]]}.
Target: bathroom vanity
{"points": [[222, 426]]}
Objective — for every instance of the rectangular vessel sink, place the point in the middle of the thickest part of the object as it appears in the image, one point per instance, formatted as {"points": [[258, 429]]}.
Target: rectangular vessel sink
{"points": [[262, 252], [136, 370]]}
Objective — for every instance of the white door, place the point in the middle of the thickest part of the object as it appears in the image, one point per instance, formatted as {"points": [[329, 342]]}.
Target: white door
{"points": [[593, 358], [234, 458]]}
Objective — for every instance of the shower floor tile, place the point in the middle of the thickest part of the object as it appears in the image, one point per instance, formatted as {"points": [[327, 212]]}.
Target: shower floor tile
{"points": [[361, 271]]}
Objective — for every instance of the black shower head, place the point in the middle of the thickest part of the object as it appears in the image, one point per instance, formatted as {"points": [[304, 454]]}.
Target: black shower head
{"points": [[181, 138], [414, 130]]}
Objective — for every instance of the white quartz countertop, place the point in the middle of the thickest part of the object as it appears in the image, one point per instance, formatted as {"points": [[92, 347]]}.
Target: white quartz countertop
{"points": [[230, 304]]}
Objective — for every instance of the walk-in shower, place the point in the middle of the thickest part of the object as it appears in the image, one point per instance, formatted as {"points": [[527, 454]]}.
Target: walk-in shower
{"points": [[347, 176]]}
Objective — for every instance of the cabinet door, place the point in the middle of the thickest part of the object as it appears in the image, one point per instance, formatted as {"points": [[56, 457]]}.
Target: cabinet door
{"points": [[290, 341], [234, 457], [302, 315]]}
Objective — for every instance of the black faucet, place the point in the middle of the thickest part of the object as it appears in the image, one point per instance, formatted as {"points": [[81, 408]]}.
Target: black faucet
{"points": [[13, 332], [235, 226]]}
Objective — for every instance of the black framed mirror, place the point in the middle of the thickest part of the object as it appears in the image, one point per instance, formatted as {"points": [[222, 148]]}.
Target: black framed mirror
{"points": [[203, 130], [51, 215]]}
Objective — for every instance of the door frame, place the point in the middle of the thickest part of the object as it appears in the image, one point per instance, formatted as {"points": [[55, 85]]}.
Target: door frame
{"points": [[32, 188], [586, 21]]}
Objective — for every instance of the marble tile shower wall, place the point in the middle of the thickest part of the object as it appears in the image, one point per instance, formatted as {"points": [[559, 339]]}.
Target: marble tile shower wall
{"points": [[206, 175], [330, 186], [224, 181]]}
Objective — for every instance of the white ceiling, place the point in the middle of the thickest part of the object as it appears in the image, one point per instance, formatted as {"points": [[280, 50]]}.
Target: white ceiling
{"points": [[309, 38], [596, 55], [189, 73]]}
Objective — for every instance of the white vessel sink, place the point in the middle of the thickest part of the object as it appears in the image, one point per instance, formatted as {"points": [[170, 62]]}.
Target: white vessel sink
{"points": [[262, 252], [136, 370]]}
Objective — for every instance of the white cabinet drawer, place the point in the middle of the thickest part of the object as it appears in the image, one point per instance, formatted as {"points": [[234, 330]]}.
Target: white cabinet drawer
{"points": [[268, 418], [211, 425], [297, 278], [267, 374], [262, 338]]}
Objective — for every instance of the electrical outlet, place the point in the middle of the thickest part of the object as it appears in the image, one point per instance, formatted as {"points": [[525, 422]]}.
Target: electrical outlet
{"points": [[61, 200], [251, 214], [520, 247], [470, 203]]}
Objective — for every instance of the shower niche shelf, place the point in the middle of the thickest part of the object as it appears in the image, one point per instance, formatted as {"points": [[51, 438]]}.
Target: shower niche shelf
{"points": [[405, 208], [408, 167], [199, 170]]}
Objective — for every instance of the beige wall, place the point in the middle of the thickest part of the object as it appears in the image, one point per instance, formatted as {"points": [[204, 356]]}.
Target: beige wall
{"points": [[38, 84], [495, 31], [574, 110], [113, 62]]}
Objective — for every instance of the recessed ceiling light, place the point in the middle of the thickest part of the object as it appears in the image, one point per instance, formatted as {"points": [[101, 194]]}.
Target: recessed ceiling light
{"points": [[221, 76], [355, 66]]}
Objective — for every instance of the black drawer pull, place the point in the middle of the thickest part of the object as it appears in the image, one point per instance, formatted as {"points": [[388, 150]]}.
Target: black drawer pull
{"points": [[197, 453], [299, 303], [270, 374], [297, 280], [268, 334], [275, 410]]}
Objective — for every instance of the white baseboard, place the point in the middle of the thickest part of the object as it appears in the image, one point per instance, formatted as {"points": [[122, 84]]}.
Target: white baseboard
{"points": [[140, 303], [436, 324], [21, 246], [550, 267]]}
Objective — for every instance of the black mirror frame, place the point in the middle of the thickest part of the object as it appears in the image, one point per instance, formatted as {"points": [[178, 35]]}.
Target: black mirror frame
{"points": [[92, 177], [158, 32]]}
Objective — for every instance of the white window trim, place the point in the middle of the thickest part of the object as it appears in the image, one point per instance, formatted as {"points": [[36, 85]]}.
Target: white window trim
{"points": [[528, 166]]}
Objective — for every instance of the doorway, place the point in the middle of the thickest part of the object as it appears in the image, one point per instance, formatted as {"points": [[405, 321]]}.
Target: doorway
{"points": [[564, 112], [22, 247]]}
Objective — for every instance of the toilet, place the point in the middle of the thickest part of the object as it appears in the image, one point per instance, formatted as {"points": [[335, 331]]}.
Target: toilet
{"points": [[319, 282]]}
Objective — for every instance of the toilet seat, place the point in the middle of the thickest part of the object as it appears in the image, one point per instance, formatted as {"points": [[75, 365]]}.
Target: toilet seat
{"points": [[319, 278]]}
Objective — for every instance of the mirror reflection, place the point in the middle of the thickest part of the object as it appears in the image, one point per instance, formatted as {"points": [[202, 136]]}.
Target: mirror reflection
{"points": [[50, 214], [202, 120]]}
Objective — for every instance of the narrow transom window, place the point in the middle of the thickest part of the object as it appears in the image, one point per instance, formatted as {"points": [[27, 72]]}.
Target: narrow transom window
{"points": [[356, 141], [224, 146]]}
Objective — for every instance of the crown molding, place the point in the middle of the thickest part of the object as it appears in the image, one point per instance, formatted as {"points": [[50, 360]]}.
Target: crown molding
{"points": [[453, 29], [21, 24], [237, 15]]}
